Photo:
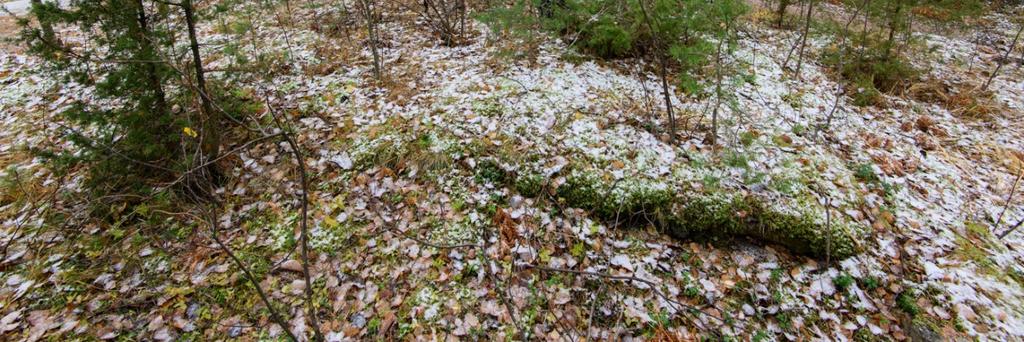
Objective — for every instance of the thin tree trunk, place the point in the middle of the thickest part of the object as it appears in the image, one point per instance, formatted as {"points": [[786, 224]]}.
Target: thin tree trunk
{"points": [[304, 231], [668, 101], [371, 32], [1009, 198], [211, 133], [1003, 60], [863, 39], [45, 25], [152, 76], [712, 137], [780, 13], [907, 34], [159, 107], [893, 25], [844, 50], [663, 71], [252, 34], [1009, 231], [1020, 60], [275, 315], [803, 38]]}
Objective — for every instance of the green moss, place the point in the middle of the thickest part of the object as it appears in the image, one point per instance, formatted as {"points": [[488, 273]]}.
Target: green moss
{"points": [[785, 185], [1014, 274], [794, 100], [843, 282], [748, 138], [488, 170], [865, 173], [979, 231], [529, 185], [704, 215], [582, 190], [490, 107], [455, 232], [864, 335], [736, 159], [782, 141], [870, 283], [722, 216], [624, 198], [799, 129], [973, 251], [865, 95], [907, 302], [385, 150]]}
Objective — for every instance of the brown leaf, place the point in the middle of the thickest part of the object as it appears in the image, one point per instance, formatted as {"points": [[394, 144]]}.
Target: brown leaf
{"points": [[925, 142], [506, 225], [350, 331], [292, 265], [924, 123]]}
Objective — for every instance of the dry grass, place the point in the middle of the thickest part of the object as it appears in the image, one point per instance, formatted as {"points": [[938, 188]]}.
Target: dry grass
{"points": [[962, 100], [8, 31], [1011, 159]]}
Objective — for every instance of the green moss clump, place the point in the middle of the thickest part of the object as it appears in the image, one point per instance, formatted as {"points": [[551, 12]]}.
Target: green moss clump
{"points": [[723, 216], [529, 185], [843, 282], [385, 150], [488, 170], [908, 303], [583, 190], [623, 199], [704, 215]]}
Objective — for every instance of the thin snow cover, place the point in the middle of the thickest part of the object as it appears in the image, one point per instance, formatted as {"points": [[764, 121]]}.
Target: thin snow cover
{"points": [[557, 108], [567, 112]]}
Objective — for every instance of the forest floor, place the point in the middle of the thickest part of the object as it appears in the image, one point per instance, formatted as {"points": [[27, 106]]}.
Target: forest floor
{"points": [[445, 201]]}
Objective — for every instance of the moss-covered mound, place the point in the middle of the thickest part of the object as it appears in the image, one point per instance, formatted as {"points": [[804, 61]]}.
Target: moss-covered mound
{"points": [[688, 213], [634, 198], [802, 232]]}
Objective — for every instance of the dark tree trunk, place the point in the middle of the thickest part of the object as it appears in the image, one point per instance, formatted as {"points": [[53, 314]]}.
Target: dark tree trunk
{"points": [[712, 137], [547, 7], [211, 133], [780, 12], [371, 31], [893, 27], [668, 100], [803, 38], [149, 54], [663, 71], [1003, 60], [46, 26], [158, 108]]}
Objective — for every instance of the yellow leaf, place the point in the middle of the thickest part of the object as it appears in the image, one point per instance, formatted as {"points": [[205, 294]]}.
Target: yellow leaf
{"points": [[330, 222], [350, 88], [190, 132]]}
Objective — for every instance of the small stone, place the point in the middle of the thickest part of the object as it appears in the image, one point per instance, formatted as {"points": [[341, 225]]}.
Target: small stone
{"points": [[298, 286], [292, 265], [918, 331], [193, 311], [358, 320]]}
